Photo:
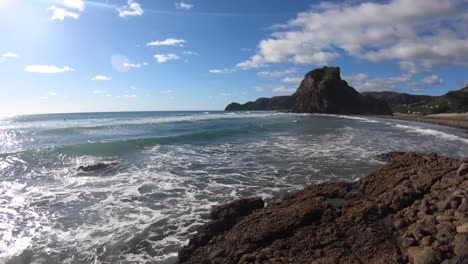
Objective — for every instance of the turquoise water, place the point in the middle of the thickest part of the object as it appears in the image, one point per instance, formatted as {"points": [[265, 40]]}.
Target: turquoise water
{"points": [[167, 170]]}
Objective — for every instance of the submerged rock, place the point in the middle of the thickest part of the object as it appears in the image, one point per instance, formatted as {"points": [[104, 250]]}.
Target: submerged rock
{"points": [[96, 167], [390, 216]]}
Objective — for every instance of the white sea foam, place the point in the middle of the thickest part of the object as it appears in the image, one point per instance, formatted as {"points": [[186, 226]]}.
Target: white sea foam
{"points": [[431, 132]]}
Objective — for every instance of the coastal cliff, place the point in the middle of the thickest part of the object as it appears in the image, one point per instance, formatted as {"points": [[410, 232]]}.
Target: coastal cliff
{"points": [[321, 91], [414, 209]]}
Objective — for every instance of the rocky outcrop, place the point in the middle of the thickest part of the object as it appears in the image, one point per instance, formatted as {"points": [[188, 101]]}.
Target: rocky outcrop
{"points": [[278, 103], [414, 209], [321, 91]]}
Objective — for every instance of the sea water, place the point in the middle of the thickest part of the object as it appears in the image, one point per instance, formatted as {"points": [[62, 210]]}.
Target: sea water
{"points": [[167, 170]]}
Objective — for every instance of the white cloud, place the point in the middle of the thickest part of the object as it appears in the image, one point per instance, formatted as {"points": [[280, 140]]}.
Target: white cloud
{"points": [[131, 9], [133, 88], [166, 92], [130, 96], [131, 65], [191, 53], [284, 90], [47, 69], [425, 32], [292, 80], [276, 74], [99, 92], [183, 6], [259, 89], [52, 93], [61, 13], [433, 80], [9, 55], [167, 42], [100, 78], [220, 71], [161, 58], [76, 4], [363, 83]]}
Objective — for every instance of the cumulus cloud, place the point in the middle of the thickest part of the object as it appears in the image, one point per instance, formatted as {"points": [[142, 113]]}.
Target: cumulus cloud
{"points": [[161, 58], [47, 69], [61, 13], [364, 83], [183, 6], [292, 80], [131, 9], [167, 42], [100, 78], [276, 74], [75, 4], [284, 90], [433, 80], [123, 64], [399, 30]]}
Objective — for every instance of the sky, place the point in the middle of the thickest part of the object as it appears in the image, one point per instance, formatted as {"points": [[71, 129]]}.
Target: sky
{"points": [[160, 55]]}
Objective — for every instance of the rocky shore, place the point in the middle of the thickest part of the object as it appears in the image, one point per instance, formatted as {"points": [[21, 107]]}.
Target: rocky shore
{"points": [[414, 209]]}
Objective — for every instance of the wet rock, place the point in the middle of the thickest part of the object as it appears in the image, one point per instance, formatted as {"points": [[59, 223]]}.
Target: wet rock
{"points": [[463, 170], [96, 167], [412, 209]]}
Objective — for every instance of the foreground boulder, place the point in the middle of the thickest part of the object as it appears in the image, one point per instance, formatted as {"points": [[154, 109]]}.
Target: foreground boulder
{"points": [[414, 209]]}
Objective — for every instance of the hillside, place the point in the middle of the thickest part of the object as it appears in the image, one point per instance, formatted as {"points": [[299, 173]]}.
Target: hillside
{"points": [[451, 102], [321, 91]]}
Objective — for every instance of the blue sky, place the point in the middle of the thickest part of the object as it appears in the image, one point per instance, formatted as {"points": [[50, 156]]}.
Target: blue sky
{"points": [[142, 55]]}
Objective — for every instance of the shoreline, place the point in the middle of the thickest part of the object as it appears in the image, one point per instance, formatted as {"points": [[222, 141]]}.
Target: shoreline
{"points": [[441, 120], [413, 209]]}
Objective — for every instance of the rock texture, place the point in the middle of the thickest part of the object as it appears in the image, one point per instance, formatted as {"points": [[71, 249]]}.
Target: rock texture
{"points": [[414, 209], [321, 91]]}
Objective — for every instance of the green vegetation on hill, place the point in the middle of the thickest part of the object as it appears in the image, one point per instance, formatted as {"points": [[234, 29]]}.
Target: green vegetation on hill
{"points": [[451, 102]]}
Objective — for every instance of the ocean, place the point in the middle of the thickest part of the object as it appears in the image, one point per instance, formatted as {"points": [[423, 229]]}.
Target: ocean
{"points": [[166, 170]]}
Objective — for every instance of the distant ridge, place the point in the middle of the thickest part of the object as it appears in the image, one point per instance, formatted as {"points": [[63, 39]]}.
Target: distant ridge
{"points": [[451, 102], [321, 91]]}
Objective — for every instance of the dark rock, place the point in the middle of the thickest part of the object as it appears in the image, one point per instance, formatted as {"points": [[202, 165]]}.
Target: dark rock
{"points": [[96, 167], [323, 91], [384, 157], [278, 103], [382, 222], [223, 218], [463, 169]]}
